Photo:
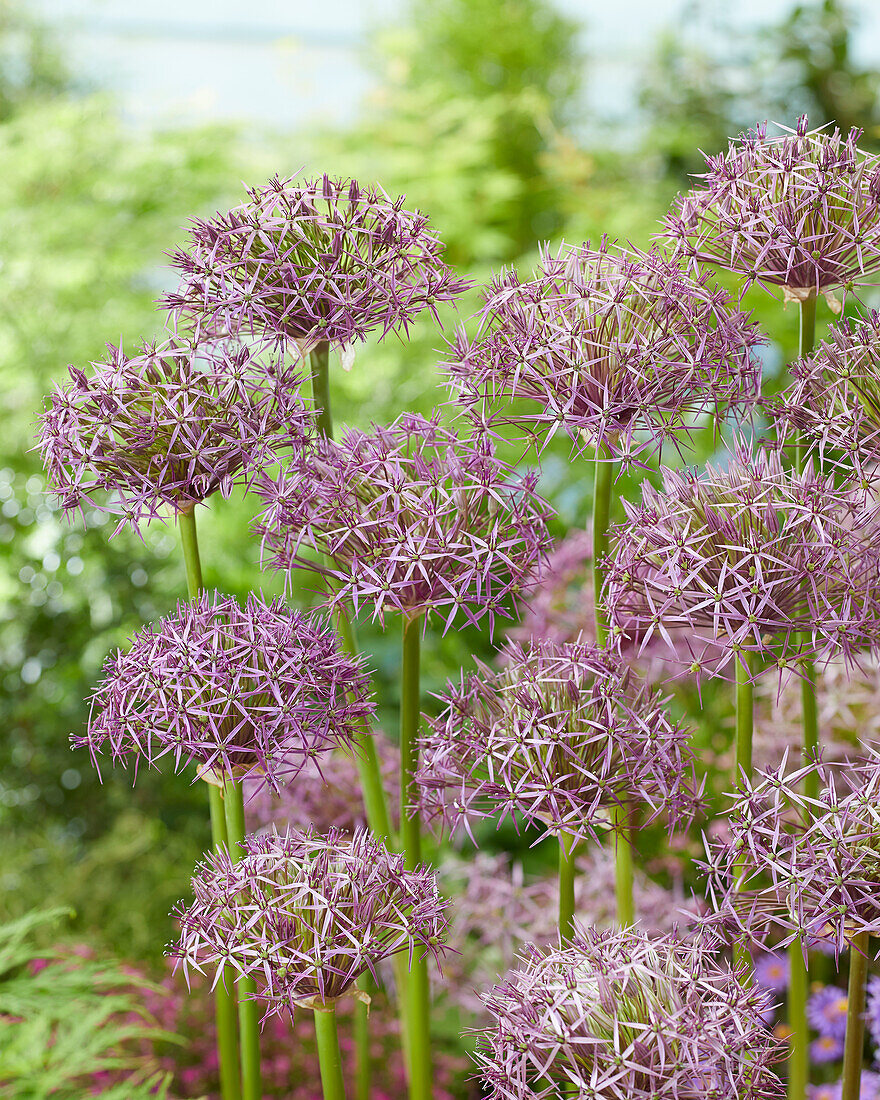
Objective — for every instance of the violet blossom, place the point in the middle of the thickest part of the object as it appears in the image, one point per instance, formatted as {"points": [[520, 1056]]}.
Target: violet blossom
{"points": [[256, 691], [168, 426], [619, 1015], [409, 518], [826, 1011], [618, 349], [772, 971], [560, 736], [799, 210], [312, 261], [306, 915]]}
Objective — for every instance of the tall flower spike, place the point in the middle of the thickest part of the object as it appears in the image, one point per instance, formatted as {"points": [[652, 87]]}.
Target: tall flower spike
{"points": [[794, 867], [560, 737], [168, 426], [619, 349], [619, 1015], [750, 558], [411, 518], [306, 915], [320, 260], [799, 211], [254, 691]]}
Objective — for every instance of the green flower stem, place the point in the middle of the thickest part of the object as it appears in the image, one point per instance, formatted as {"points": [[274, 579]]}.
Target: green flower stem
{"points": [[623, 867], [854, 1044], [417, 1002], [363, 1061], [248, 1017], [603, 470], [799, 1058], [319, 361], [329, 1057], [225, 1011], [742, 768], [567, 845]]}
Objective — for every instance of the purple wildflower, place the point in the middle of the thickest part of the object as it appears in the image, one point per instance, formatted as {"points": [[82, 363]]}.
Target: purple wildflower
{"points": [[411, 518], [256, 691], [621, 1016], [799, 211], [826, 1048], [826, 1011], [558, 737], [618, 348], [319, 260], [830, 1091], [168, 426], [750, 558], [872, 1010], [799, 867], [306, 915], [772, 971]]}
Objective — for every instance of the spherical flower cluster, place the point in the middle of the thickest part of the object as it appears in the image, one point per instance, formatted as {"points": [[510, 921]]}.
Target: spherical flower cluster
{"points": [[306, 915], [749, 558], [620, 349], [561, 737], [410, 518], [168, 427], [621, 1016], [254, 691], [319, 260], [799, 211], [799, 868], [834, 401]]}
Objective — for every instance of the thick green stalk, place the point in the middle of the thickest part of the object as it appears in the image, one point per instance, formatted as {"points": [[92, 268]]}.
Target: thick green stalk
{"points": [[799, 1041], [854, 1044], [742, 768], [623, 867], [319, 361], [248, 1016], [567, 845], [329, 1058], [417, 1003], [363, 1070], [603, 470], [224, 995]]}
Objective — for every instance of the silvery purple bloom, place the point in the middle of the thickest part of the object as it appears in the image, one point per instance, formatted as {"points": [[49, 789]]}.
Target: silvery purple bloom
{"points": [[168, 427], [310, 261], [255, 691], [799, 210], [772, 971], [558, 737], [797, 868], [306, 915], [617, 348], [410, 518], [619, 1015], [826, 1011], [826, 1048], [750, 558]]}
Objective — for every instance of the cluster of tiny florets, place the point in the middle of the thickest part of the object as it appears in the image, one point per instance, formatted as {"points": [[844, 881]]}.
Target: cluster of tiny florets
{"points": [[252, 691], [619, 1015], [409, 518], [618, 349], [799, 210], [311, 261], [168, 427], [560, 737], [306, 915]]}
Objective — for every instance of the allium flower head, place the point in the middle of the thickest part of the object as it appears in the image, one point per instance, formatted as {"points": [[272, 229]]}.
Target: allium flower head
{"points": [[412, 518], [306, 915], [745, 557], [826, 1011], [799, 210], [622, 1016], [168, 426], [619, 349], [561, 736], [317, 260], [797, 868], [241, 691]]}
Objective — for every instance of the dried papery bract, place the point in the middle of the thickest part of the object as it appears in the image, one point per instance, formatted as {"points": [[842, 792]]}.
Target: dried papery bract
{"points": [[619, 349], [797, 211], [306, 915], [410, 518], [622, 1016], [169, 426], [256, 691], [751, 559], [315, 261]]}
